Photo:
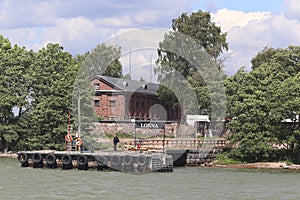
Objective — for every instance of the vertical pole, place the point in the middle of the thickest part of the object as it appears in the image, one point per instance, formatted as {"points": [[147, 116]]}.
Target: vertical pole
{"points": [[164, 136], [130, 64], [134, 141], [134, 136], [151, 68], [79, 121]]}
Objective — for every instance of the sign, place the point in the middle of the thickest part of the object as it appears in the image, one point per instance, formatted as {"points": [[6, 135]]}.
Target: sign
{"points": [[191, 119], [150, 125]]}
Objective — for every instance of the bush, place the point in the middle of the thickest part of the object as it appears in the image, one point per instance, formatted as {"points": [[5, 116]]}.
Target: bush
{"points": [[224, 159]]}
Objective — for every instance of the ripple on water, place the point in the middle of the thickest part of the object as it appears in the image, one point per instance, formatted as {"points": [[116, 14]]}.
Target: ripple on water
{"points": [[184, 183]]}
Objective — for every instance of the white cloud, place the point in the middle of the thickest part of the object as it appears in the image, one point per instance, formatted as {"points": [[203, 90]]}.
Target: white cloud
{"points": [[249, 33], [292, 9], [231, 18], [79, 25], [124, 21]]}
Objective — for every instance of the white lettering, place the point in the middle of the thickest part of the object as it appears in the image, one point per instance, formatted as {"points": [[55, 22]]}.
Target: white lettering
{"points": [[149, 125]]}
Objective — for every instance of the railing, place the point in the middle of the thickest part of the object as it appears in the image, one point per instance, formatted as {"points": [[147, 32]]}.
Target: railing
{"points": [[186, 143]]}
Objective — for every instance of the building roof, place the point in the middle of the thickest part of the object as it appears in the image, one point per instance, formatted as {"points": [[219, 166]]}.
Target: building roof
{"points": [[130, 86]]}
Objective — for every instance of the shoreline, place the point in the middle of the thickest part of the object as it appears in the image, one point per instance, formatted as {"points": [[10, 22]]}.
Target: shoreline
{"points": [[8, 155], [257, 165]]}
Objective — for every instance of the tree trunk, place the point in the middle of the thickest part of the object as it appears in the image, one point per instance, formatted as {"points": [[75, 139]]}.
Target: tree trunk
{"points": [[3, 145]]}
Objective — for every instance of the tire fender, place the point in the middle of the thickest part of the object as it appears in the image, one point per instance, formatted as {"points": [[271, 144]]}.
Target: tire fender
{"points": [[127, 160], [36, 157], [22, 157], [116, 160], [51, 159], [82, 160], [142, 160], [102, 160], [66, 159]]}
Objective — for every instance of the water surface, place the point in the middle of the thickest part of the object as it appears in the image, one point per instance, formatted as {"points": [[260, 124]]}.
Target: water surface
{"points": [[184, 183]]}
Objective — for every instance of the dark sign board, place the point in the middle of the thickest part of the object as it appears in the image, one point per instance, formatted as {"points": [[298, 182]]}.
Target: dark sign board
{"points": [[150, 125]]}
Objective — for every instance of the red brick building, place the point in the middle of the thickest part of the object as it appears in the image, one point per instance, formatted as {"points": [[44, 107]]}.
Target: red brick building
{"points": [[122, 99]]}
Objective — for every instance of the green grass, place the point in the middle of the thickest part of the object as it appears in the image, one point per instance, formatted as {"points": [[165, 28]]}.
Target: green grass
{"points": [[223, 159]]}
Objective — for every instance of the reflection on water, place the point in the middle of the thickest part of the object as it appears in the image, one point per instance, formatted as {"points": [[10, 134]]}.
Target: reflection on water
{"points": [[183, 183]]}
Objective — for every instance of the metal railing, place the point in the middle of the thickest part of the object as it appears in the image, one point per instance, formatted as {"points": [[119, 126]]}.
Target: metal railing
{"points": [[186, 143]]}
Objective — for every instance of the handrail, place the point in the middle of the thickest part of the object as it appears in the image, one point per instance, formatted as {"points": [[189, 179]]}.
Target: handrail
{"points": [[186, 143]]}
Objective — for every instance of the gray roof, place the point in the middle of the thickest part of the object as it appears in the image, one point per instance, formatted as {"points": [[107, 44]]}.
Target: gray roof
{"points": [[130, 86]]}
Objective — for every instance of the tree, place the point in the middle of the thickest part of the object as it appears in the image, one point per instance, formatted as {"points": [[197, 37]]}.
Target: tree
{"points": [[192, 50], [15, 67], [265, 105], [199, 26], [249, 107], [103, 60], [263, 57], [51, 97]]}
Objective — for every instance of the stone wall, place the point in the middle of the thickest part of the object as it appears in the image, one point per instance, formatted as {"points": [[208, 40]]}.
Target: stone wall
{"points": [[127, 127]]}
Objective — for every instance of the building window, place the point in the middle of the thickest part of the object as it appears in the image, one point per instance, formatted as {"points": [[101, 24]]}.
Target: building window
{"points": [[113, 103], [97, 93], [97, 103], [96, 86]]}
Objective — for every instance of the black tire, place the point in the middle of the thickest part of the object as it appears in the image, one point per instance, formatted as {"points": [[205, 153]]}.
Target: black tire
{"points": [[23, 158], [101, 160], [51, 159], [141, 160], [116, 160], [66, 159], [82, 160], [127, 160], [37, 157]]}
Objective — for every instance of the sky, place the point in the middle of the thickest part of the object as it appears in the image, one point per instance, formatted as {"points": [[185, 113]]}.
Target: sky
{"points": [[79, 25]]}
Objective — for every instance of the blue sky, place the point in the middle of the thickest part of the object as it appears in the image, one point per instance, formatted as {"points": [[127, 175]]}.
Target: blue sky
{"points": [[241, 5], [79, 25]]}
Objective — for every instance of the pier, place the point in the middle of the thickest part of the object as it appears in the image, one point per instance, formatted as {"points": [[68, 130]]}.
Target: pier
{"points": [[107, 160], [184, 151], [149, 155]]}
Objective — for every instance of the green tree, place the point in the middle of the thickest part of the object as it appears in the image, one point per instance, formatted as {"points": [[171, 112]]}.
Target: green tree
{"points": [[51, 97], [198, 43], [103, 60], [264, 103], [199, 26], [248, 104], [15, 67], [263, 57]]}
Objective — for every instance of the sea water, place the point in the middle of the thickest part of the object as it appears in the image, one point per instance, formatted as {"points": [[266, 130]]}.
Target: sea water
{"points": [[184, 183]]}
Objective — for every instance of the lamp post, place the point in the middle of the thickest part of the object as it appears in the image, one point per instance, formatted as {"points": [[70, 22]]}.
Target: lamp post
{"points": [[134, 141], [78, 106], [79, 120]]}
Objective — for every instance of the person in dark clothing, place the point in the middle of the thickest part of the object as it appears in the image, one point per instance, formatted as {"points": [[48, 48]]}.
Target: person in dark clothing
{"points": [[116, 141]]}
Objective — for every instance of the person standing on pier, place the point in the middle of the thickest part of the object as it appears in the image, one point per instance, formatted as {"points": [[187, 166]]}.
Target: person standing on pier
{"points": [[116, 141]]}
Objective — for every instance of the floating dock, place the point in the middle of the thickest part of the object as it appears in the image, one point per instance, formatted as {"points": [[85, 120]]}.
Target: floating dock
{"points": [[107, 160]]}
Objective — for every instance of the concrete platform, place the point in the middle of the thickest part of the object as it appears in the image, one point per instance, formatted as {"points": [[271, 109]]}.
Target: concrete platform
{"points": [[124, 161]]}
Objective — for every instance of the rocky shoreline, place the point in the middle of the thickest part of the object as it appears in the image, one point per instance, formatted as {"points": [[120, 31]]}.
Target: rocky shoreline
{"points": [[260, 165]]}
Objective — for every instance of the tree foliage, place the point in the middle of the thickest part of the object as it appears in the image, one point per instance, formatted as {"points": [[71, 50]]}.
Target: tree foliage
{"points": [[15, 67], [37, 90], [103, 60], [265, 106], [191, 34], [51, 97]]}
